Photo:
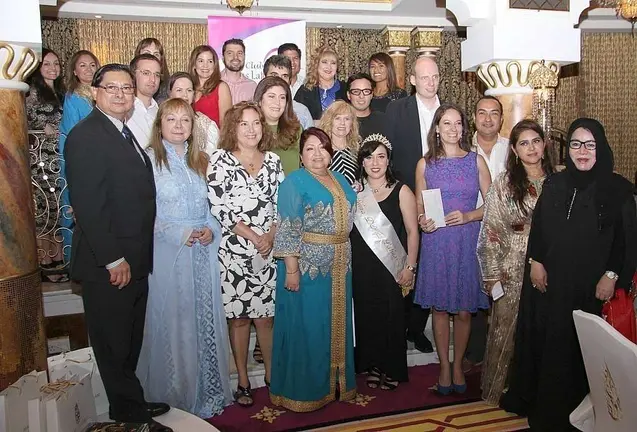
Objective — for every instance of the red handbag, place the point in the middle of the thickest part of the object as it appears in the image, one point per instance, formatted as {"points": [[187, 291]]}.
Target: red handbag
{"points": [[620, 311]]}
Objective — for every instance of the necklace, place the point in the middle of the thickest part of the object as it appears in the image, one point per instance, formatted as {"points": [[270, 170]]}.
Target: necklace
{"points": [[319, 175], [376, 190]]}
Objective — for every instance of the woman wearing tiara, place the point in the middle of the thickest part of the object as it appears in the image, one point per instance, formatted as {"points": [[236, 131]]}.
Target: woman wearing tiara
{"points": [[384, 257]]}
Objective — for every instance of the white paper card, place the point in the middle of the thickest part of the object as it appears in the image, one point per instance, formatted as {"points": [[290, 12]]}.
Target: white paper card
{"points": [[497, 292], [432, 200]]}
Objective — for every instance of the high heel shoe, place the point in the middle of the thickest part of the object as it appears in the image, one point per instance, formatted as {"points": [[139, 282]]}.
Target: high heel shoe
{"points": [[459, 388], [442, 390]]}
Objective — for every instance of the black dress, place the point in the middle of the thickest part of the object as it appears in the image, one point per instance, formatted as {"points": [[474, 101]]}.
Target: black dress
{"points": [[378, 302], [576, 244]]}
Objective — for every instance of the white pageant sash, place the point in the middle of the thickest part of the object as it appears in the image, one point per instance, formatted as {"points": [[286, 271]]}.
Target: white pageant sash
{"points": [[378, 233]]}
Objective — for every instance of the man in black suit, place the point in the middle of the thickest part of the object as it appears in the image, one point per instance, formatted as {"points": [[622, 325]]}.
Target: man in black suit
{"points": [[408, 121], [112, 191]]}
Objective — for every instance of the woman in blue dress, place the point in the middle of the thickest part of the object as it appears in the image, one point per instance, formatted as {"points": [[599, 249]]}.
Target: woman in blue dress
{"points": [[184, 358], [448, 279], [78, 103], [313, 348]]}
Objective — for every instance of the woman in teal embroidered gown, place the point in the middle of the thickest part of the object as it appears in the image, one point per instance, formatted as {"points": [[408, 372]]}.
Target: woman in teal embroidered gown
{"points": [[313, 349]]}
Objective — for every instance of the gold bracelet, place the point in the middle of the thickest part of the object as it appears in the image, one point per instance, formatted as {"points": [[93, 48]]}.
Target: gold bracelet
{"points": [[420, 217], [294, 272]]}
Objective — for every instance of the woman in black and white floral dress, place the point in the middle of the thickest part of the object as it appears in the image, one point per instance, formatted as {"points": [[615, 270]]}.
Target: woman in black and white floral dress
{"points": [[243, 182]]}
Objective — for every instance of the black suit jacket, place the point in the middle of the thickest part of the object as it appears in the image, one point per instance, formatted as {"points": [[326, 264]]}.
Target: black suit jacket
{"points": [[113, 198], [403, 130], [312, 99]]}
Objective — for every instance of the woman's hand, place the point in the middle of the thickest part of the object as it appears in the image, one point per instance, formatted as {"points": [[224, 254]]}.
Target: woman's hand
{"points": [[292, 280], [405, 278], [605, 288], [427, 225], [455, 218], [205, 236], [263, 243], [192, 238], [538, 276], [488, 286]]}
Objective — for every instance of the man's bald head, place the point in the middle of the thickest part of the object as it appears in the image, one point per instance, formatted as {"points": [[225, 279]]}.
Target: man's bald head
{"points": [[425, 77]]}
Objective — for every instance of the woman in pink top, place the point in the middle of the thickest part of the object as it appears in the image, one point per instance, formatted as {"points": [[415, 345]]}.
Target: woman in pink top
{"points": [[212, 96]]}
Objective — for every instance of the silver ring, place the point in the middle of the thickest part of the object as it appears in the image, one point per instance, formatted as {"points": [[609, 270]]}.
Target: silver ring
{"points": [[534, 286]]}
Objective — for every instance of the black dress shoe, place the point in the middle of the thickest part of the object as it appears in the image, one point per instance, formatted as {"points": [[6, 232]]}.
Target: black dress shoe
{"points": [[155, 409], [421, 343], [158, 427]]}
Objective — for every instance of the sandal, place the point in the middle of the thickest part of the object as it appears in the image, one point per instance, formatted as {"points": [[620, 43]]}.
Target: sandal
{"points": [[386, 383], [242, 394], [373, 380], [257, 355]]}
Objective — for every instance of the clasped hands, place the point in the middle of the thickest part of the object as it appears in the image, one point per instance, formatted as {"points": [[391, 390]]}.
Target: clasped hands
{"points": [[454, 218], [203, 236], [263, 243]]}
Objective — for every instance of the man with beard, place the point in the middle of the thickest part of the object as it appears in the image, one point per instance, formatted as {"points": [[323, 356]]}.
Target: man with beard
{"points": [[234, 55], [147, 70], [360, 91]]}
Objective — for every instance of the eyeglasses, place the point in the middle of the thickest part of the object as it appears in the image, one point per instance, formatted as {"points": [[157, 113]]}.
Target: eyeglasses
{"points": [[113, 89], [588, 145], [148, 73], [358, 92]]}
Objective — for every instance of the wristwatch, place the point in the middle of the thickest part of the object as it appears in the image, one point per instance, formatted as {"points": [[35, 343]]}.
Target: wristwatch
{"points": [[411, 268], [611, 275]]}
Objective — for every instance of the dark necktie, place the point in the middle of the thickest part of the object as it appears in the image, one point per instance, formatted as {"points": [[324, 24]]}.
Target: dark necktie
{"points": [[130, 138]]}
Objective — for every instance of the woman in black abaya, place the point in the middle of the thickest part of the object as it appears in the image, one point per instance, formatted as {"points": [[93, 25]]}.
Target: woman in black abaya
{"points": [[582, 245]]}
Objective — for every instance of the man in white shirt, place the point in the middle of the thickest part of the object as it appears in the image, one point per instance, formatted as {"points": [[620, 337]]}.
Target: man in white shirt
{"points": [[147, 70], [495, 150], [292, 51], [280, 66]]}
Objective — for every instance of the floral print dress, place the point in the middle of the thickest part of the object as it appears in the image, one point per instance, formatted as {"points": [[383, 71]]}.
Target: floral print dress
{"points": [[247, 279]]}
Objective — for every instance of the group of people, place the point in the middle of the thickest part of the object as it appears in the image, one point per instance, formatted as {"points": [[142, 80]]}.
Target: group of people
{"points": [[205, 203]]}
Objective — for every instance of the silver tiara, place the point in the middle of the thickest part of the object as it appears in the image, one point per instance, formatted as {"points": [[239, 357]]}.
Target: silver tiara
{"points": [[379, 138]]}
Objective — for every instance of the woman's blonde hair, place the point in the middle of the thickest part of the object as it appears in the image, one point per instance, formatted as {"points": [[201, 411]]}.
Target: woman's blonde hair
{"points": [[196, 159], [228, 138], [340, 107], [312, 79]]}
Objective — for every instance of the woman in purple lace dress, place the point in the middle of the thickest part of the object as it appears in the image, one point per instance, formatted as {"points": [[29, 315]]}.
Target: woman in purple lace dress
{"points": [[449, 279]]}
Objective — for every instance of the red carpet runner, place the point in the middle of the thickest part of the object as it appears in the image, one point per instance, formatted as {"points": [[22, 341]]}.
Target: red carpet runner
{"points": [[412, 396]]}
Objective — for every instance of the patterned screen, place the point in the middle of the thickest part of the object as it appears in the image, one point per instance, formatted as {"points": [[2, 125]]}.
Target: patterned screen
{"points": [[554, 5]]}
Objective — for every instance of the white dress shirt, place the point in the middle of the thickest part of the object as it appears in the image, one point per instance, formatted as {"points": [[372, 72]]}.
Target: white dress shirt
{"points": [[496, 161], [300, 80], [141, 121], [426, 117]]}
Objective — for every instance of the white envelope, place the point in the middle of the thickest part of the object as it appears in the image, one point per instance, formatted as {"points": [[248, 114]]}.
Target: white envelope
{"points": [[432, 200]]}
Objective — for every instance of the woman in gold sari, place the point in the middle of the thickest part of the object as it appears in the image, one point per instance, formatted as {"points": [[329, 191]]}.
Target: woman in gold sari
{"points": [[502, 246], [313, 349]]}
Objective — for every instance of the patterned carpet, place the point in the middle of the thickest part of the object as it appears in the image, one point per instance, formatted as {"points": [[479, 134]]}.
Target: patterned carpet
{"points": [[411, 407], [469, 417]]}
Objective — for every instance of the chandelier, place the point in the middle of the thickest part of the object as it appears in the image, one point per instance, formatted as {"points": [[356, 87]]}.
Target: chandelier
{"points": [[626, 9], [240, 5]]}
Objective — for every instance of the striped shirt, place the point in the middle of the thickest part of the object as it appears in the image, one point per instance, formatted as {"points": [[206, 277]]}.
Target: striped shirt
{"points": [[344, 162]]}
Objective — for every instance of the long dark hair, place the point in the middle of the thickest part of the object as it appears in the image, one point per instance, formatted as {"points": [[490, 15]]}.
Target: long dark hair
{"points": [[73, 82], [519, 183], [366, 150], [436, 149], [384, 58], [289, 127], [46, 94]]}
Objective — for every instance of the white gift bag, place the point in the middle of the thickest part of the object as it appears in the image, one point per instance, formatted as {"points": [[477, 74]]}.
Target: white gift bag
{"points": [[69, 404], [68, 363], [14, 401]]}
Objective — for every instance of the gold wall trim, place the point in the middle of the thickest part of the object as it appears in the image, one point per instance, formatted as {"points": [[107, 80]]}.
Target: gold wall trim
{"points": [[426, 38]]}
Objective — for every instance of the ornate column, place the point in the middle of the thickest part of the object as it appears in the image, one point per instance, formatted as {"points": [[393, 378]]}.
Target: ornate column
{"points": [[504, 47], [397, 43], [426, 41], [22, 338]]}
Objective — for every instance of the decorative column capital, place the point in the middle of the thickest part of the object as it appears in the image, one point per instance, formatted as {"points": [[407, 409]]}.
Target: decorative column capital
{"points": [[397, 40], [511, 76], [17, 62], [426, 40]]}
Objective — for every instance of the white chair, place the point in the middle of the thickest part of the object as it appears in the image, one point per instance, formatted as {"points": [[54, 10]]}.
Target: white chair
{"points": [[611, 367]]}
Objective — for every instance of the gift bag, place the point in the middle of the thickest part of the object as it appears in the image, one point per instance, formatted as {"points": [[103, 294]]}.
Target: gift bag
{"points": [[14, 401], [68, 404], [69, 363]]}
